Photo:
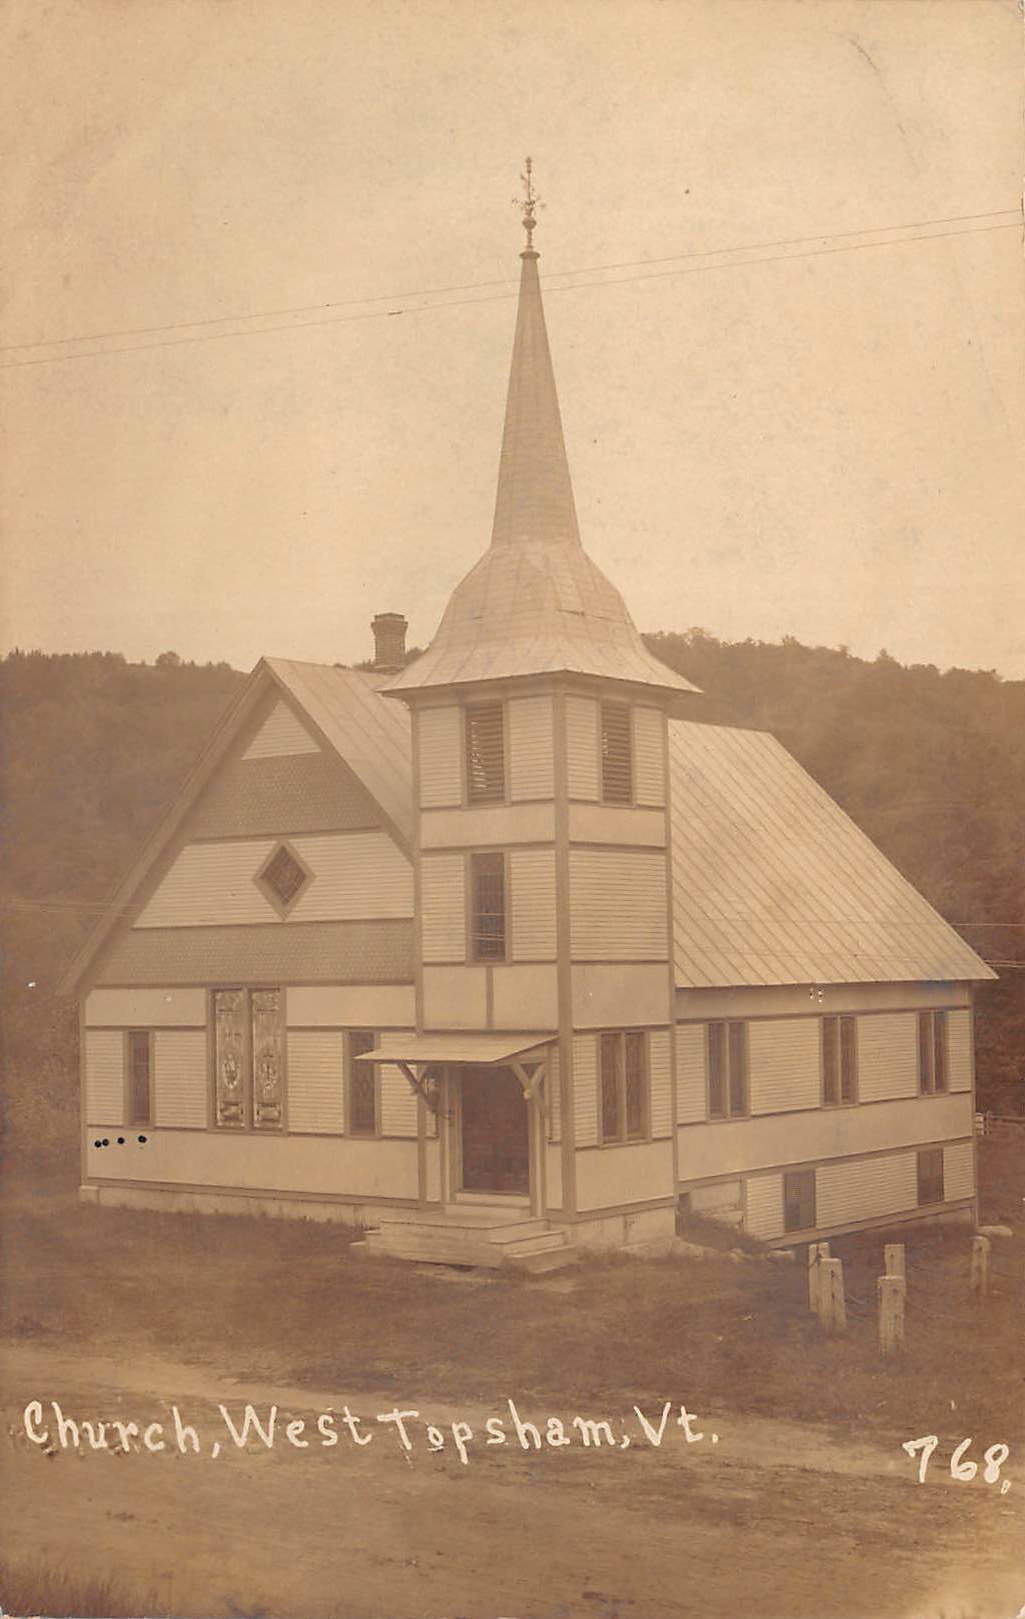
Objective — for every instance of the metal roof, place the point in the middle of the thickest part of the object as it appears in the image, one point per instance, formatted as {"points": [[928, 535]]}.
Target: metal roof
{"points": [[774, 884], [466, 1048], [373, 738], [535, 603]]}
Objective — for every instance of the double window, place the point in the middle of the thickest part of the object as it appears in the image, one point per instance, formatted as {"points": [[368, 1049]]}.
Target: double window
{"points": [[616, 754], [249, 1059], [362, 1099], [799, 1200], [484, 733], [624, 1086], [139, 1075], [839, 1060], [727, 1071], [930, 1175], [933, 1071], [487, 907]]}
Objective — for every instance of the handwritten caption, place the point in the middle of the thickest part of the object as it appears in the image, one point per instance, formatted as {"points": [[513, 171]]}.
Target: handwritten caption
{"points": [[961, 1465]]}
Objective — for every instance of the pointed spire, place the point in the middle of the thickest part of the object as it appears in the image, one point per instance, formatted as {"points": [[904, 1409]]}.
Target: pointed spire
{"points": [[535, 494]]}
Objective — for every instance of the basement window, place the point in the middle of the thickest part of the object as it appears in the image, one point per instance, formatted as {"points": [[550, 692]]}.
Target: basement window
{"points": [[616, 754], [487, 907], [930, 1175], [933, 1073], [624, 1087], [727, 1071], [283, 878], [799, 1200], [839, 1060], [485, 754]]}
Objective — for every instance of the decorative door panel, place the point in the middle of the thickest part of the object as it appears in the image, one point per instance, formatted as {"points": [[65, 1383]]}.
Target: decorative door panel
{"points": [[268, 1059], [230, 1056]]}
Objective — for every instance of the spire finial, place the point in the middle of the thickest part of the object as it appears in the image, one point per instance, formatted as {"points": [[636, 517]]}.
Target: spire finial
{"points": [[530, 203]]}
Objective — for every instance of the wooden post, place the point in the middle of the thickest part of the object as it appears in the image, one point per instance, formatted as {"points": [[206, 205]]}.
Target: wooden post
{"points": [[894, 1260], [817, 1252], [980, 1265], [832, 1304], [892, 1290]]}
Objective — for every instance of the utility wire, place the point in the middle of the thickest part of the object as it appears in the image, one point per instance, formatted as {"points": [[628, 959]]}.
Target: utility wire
{"points": [[458, 303], [477, 286]]}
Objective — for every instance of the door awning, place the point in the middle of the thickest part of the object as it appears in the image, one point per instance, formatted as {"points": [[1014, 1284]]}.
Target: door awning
{"points": [[454, 1048]]}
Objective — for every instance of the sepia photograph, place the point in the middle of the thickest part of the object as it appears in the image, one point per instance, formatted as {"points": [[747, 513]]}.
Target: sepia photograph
{"points": [[512, 701]]}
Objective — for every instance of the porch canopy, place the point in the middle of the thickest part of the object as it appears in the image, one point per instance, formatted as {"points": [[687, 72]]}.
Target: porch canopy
{"points": [[414, 1054]]}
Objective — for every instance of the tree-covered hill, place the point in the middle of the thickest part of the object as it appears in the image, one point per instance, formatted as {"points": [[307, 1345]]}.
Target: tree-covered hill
{"points": [[930, 764]]}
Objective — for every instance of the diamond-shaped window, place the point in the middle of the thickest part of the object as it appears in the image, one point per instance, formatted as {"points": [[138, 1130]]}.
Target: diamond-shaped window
{"points": [[284, 877]]}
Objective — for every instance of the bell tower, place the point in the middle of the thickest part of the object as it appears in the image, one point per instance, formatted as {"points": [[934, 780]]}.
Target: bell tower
{"points": [[540, 769]]}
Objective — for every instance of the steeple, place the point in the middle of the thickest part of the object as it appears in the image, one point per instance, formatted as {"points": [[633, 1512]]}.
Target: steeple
{"points": [[535, 603]]}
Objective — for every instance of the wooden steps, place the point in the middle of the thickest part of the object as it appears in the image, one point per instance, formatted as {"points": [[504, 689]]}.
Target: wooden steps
{"points": [[473, 1236]]}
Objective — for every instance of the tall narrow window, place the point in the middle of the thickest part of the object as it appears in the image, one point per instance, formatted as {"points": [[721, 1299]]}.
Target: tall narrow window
{"points": [[933, 1067], [485, 754], [361, 1117], [616, 754], [140, 1076], [839, 1060], [249, 1065], [799, 1200], [727, 1070], [930, 1175], [624, 1086], [487, 901]]}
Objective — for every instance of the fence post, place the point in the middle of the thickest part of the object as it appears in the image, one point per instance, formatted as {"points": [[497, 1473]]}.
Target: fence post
{"points": [[980, 1266], [832, 1304], [895, 1260], [817, 1252], [892, 1290]]}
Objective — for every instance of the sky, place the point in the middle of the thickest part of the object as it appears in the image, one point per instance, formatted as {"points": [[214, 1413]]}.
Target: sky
{"points": [[819, 440]]}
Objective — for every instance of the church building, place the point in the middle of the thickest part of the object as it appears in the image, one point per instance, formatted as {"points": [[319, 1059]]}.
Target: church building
{"points": [[501, 954]]}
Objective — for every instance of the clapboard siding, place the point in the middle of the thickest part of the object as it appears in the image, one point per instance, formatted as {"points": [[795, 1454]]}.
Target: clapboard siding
{"points": [[531, 749], [763, 1197], [532, 885], [958, 1171], [553, 1094], [280, 734], [660, 1071], [398, 1102], [316, 1080], [146, 1008], [959, 1040], [443, 907], [104, 1076], [887, 1056], [865, 1188], [180, 1085], [585, 1089], [582, 747], [649, 733], [617, 905], [355, 875], [691, 1060], [439, 733], [784, 1060]]}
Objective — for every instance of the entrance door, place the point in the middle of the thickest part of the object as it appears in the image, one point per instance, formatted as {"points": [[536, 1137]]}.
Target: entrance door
{"points": [[496, 1155]]}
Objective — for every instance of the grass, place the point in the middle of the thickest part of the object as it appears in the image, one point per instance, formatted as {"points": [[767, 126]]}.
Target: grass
{"points": [[38, 1590], [273, 1299]]}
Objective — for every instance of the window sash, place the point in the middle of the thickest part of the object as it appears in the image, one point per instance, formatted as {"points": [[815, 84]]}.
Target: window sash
{"points": [[616, 754], [925, 1053], [624, 1085], [839, 1060], [485, 753], [727, 1070], [848, 1059], [737, 1046], [830, 1061], [488, 907], [717, 1070], [611, 1085], [930, 1175], [140, 1076], [635, 1069], [941, 1077], [361, 1115], [799, 1212]]}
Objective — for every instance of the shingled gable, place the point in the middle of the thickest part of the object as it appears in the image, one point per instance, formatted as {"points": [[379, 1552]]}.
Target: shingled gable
{"points": [[343, 712]]}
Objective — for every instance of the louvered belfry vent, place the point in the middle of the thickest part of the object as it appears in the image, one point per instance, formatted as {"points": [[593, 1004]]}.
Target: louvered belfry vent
{"points": [[616, 754], [284, 876], [485, 754]]}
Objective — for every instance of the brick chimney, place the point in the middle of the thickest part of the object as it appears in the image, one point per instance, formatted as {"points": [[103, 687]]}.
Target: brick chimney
{"points": [[389, 642]]}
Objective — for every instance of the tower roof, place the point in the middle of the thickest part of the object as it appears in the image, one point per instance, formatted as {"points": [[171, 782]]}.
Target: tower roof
{"points": [[535, 603]]}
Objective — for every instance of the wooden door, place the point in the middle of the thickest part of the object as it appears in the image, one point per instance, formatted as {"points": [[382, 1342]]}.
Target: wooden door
{"points": [[496, 1152]]}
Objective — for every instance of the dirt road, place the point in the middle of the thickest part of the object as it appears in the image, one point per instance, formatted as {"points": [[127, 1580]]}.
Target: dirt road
{"points": [[771, 1519]]}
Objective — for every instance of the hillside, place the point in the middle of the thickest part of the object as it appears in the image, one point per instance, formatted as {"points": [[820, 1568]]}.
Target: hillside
{"points": [[930, 764]]}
